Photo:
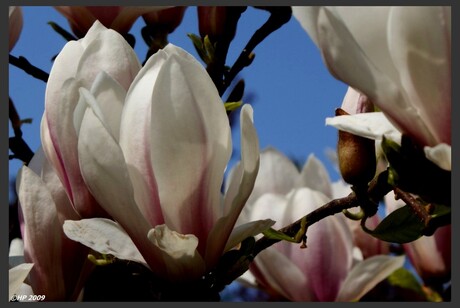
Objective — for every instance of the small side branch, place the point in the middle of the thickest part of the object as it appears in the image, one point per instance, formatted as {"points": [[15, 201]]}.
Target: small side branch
{"points": [[27, 67]]}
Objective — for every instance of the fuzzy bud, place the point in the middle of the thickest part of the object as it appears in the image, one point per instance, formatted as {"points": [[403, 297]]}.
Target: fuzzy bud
{"points": [[356, 156], [167, 19], [219, 22]]}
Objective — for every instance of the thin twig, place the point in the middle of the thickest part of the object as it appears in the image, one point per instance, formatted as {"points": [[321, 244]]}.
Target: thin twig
{"points": [[414, 204], [17, 145], [278, 17], [27, 67]]}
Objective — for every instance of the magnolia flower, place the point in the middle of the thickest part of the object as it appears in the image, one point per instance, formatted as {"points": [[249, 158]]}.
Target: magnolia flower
{"points": [[154, 158], [76, 66], [326, 270], [118, 18], [399, 57], [14, 25], [58, 263]]}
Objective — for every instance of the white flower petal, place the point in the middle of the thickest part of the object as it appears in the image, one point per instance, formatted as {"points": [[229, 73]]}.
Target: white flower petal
{"points": [[314, 175], [307, 16], [372, 125], [440, 155], [110, 96], [16, 247], [16, 277], [234, 202], [420, 45], [104, 236], [182, 258], [277, 174]]}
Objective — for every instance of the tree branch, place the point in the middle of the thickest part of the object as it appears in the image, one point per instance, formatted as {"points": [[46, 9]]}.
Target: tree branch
{"points": [[27, 67], [378, 188]]}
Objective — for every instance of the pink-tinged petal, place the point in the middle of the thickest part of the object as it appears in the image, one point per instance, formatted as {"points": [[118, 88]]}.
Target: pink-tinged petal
{"points": [[282, 275], [182, 259], [369, 245], [190, 145], [73, 253], [366, 275], [246, 230], [441, 155], [60, 124], [328, 257], [234, 203], [420, 44], [355, 102], [108, 52], [135, 139], [15, 23], [315, 176], [105, 172], [104, 236], [16, 277], [277, 174], [42, 167], [372, 125], [42, 235]]}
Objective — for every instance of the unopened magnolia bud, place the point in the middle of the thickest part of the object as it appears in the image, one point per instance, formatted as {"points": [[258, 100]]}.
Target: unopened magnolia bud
{"points": [[167, 19], [219, 22], [14, 25], [356, 156]]}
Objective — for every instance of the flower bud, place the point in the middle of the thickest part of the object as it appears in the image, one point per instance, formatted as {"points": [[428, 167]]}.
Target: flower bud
{"points": [[219, 22], [118, 18], [167, 20], [356, 154], [14, 25]]}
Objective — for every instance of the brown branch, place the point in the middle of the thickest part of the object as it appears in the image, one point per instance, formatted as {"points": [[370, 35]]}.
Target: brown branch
{"points": [[27, 67], [278, 17], [414, 204], [17, 145]]}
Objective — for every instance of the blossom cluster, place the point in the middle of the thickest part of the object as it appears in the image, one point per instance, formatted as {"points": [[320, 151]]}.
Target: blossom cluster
{"points": [[133, 162]]}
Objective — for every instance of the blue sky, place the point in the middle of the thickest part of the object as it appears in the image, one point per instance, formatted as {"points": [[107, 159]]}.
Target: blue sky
{"points": [[290, 88]]}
